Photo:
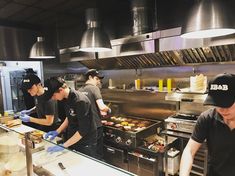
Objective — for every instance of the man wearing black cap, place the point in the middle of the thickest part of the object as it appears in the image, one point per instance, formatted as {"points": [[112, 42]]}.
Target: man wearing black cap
{"points": [[46, 109], [92, 91], [216, 126], [80, 125]]}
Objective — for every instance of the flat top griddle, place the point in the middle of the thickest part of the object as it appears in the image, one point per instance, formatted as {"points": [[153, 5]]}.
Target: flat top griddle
{"points": [[128, 124]]}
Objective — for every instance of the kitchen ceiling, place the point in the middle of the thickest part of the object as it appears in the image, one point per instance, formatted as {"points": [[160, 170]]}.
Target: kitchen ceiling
{"points": [[66, 18], [44, 13], [67, 13], [41, 12]]}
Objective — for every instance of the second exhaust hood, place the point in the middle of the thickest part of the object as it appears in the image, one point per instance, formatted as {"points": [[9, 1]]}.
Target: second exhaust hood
{"points": [[157, 49]]}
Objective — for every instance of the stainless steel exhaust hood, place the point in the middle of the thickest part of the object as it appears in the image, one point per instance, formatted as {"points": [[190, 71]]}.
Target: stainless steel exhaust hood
{"points": [[158, 49]]}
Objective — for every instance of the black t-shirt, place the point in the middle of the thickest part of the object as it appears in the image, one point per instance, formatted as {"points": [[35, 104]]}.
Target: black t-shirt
{"points": [[93, 93], [220, 141], [46, 107], [79, 114]]}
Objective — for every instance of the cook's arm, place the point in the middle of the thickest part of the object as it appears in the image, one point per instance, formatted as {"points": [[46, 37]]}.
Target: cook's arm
{"points": [[188, 157], [102, 106], [48, 121], [63, 126], [74, 139]]}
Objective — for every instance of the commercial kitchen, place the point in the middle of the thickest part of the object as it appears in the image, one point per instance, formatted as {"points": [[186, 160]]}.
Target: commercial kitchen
{"points": [[155, 78]]}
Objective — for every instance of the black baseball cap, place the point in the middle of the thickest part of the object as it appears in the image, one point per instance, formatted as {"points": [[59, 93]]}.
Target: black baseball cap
{"points": [[52, 85], [93, 72], [29, 80], [221, 91]]}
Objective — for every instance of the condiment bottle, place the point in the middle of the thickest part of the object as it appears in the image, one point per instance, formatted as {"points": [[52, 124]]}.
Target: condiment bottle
{"points": [[137, 84], [168, 85], [160, 85]]}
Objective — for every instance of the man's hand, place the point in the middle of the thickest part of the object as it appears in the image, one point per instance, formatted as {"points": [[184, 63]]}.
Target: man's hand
{"points": [[51, 135], [27, 112], [25, 118], [56, 148]]}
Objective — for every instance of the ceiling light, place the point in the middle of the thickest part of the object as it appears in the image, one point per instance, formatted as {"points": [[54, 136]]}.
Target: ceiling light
{"points": [[40, 50], [94, 39], [208, 18]]}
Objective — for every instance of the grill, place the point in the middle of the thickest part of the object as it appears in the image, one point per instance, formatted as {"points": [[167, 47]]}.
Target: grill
{"points": [[181, 122], [128, 132]]}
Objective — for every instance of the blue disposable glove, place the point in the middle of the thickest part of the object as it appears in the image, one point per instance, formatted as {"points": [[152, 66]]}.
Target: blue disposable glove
{"points": [[25, 118], [27, 112], [51, 135], [56, 148]]}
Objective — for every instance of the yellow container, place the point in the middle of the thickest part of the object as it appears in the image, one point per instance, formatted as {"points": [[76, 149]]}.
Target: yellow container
{"points": [[6, 113], [160, 85], [168, 85], [137, 84]]}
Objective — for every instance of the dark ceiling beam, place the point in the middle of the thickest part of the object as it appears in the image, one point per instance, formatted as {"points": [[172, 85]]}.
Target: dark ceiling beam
{"points": [[17, 24]]}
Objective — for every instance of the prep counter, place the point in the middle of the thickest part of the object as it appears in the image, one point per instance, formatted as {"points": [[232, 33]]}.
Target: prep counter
{"points": [[67, 162]]}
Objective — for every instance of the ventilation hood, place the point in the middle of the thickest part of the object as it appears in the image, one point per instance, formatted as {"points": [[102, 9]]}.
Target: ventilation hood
{"points": [[156, 49]]}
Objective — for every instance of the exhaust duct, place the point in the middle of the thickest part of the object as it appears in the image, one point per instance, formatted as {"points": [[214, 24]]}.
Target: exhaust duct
{"points": [[160, 48], [140, 17]]}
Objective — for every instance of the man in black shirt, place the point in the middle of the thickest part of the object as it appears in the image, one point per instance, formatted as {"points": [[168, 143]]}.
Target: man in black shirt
{"points": [[46, 119], [80, 125], [217, 127], [92, 91]]}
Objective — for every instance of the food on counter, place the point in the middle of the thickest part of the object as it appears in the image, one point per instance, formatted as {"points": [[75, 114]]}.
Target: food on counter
{"points": [[135, 121], [36, 136], [124, 123], [139, 129], [155, 143], [6, 173], [156, 147], [8, 144], [121, 119], [5, 119], [127, 127], [145, 122], [36, 139], [154, 138], [103, 121], [110, 123], [37, 133], [113, 118], [118, 125], [127, 124], [128, 120], [12, 123], [17, 163], [141, 125]]}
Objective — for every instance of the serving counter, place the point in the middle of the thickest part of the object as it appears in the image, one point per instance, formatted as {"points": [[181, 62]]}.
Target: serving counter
{"points": [[66, 162]]}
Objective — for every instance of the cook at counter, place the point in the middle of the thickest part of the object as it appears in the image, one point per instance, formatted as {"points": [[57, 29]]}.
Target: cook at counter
{"points": [[46, 110], [80, 125], [216, 126], [92, 91]]}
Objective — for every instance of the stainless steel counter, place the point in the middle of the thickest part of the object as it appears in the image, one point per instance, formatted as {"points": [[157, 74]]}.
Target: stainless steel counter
{"points": [[75, 163]]}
